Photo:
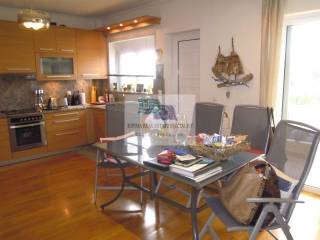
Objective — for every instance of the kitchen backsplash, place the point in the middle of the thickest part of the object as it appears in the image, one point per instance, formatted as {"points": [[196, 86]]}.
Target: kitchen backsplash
{"points": [[17, 92]]}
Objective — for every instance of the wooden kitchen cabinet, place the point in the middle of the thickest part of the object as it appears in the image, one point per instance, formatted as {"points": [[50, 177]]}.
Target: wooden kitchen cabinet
{"points": [[91, 54], [16, 48], [45, 40], [66, 129], [99, 116], [66, 40], [5, 149], [55, 40]]}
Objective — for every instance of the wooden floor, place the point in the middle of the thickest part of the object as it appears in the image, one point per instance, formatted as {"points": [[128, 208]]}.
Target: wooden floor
{"points": [[52, 199]]}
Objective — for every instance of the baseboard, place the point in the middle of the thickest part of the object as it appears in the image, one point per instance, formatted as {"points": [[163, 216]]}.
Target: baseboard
{"points": [[38, 156], [312, 189]]}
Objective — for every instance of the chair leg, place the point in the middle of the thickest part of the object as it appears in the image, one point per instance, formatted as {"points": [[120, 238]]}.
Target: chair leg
{"points": [[159, 184], [284, 226], [279, 219], [258, 226], [141, 192], [96, 177], [208, 227]]}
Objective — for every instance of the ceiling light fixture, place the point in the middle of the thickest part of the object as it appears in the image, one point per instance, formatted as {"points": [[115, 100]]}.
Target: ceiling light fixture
{"points": [[135, 21], [34, 19], [108, 28], [121, 25]]}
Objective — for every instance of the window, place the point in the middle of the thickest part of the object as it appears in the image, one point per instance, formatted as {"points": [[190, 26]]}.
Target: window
{"points": [[132, 62], [301, 98]]}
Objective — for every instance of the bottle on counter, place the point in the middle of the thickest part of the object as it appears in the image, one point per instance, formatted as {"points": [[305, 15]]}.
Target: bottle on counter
{"points": [[93, 94], [106, 95], [83, 98]]}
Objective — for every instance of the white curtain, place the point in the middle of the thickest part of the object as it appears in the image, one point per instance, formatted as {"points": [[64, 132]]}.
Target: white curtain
{"points": [[271, 39]]}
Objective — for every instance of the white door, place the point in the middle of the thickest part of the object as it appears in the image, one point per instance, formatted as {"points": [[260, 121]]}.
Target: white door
{"points": [[189, 67]]}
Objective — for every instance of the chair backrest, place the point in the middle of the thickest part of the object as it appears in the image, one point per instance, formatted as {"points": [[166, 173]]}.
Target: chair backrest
{"points": [[253, 121], [121, 118], [292, 151], [208, 117]]}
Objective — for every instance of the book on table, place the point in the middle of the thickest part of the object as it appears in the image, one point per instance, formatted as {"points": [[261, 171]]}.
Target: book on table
{"points": [[207, 174], [196, 169]]}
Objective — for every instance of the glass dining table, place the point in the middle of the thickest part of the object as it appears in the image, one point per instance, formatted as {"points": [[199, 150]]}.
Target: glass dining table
{"points": [[138, 149]]}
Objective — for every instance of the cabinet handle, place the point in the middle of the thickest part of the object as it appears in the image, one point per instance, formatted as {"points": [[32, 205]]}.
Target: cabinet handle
{"points": [[58, 76], [67, 133], [90, 74], [66, 50], [46, 49], [66, 114], [67, 120], [19, 69]]}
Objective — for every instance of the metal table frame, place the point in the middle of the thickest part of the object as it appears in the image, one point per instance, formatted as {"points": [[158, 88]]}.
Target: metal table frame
{"points": [[229, 166]]}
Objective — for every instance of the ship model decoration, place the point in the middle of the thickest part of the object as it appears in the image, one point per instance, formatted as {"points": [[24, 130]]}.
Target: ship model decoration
{"points": [[228, 71]]}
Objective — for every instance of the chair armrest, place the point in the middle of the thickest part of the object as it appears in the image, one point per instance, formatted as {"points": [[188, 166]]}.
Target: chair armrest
{"points": [[117, 138], [273, 200]]}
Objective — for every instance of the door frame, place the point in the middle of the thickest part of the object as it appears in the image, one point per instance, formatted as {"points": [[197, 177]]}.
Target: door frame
{"points": [[291, 20]]}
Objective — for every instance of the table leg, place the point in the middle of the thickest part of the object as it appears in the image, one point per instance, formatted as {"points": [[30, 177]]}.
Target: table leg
{"points": [[152, 184], [194, 219], [96, 177]]}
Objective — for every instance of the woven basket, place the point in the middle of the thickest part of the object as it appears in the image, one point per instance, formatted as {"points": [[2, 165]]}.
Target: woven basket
{"points": [[219, 153]]}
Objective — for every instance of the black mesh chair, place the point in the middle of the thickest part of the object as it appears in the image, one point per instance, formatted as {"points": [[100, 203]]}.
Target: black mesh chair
{"points": [[208, 117], [292, 152], [253, 121], [121, 118]]}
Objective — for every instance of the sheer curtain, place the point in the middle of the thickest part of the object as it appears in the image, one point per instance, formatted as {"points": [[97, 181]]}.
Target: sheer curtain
{"points": [[272, 26]]}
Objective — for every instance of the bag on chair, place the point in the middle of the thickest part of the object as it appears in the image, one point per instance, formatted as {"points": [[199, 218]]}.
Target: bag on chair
{"points": [[255, 180]]}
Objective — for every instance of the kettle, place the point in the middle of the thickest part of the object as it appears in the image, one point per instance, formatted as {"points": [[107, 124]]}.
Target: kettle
{"points": [[52, 103]]}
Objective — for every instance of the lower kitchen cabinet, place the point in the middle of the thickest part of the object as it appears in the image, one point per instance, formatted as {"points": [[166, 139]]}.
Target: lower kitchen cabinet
{"points": [[99, 117], [5, 149], [66, 129], [60, 140]]}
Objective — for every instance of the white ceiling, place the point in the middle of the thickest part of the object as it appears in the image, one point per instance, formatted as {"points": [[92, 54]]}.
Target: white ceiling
{"points": [[86, 8]]}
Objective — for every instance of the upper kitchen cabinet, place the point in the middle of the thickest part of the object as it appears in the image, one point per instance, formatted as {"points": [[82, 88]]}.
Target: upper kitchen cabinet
{"points": [[55, 39], [66, 40], [16, 48], [45, 40], [91, 54]]}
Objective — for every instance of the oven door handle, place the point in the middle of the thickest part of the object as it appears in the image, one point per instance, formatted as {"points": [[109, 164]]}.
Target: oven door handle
{"points": [[27, 125]]}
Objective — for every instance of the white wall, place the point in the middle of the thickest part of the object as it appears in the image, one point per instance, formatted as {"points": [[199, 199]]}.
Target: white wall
{"points": [[217, 21], [10, 14], [297, 6]]}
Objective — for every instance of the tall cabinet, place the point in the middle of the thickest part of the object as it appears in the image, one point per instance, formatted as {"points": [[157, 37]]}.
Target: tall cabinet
{"points": [[91, 54]]}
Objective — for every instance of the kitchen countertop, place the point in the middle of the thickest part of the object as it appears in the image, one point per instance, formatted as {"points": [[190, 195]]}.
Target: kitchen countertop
{"points": [[69, 108], [79, 107]]}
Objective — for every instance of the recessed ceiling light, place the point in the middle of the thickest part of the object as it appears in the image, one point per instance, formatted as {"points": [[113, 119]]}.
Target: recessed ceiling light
{"points": [[108, 28], [135, 21], [121, 25]]}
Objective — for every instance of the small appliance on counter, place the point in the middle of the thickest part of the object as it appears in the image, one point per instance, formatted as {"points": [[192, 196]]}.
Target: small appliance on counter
{"points": [[75, 99], [52, 103], [39, 103]]}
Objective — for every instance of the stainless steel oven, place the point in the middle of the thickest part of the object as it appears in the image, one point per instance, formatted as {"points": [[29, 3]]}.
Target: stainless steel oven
{"points": [[27, 131]]}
